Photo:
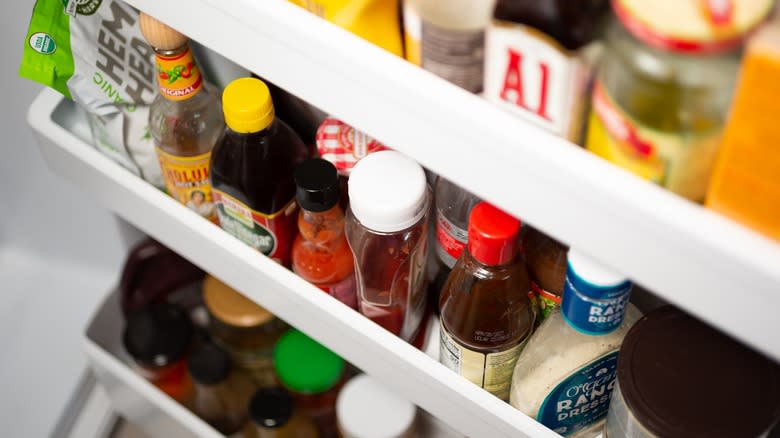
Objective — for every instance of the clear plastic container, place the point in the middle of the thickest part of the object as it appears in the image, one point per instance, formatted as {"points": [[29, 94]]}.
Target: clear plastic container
{"points": [[387, 229]]}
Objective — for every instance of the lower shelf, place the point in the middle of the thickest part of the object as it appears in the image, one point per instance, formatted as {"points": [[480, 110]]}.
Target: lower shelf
{"points": [[142, 404], [61, 135]]}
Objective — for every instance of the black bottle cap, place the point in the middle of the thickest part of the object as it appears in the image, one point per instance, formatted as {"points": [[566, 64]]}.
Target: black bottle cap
{"points": [[209, 364], [271, 407], [317, 185], [158, 335]]}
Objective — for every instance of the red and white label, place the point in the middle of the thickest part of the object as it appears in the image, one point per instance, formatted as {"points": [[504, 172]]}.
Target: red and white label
{"points": [[618, 126], [527, 74], [450, 239], [343, 145]]}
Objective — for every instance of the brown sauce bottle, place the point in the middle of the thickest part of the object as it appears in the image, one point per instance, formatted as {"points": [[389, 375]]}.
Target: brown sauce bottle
{"points": [[546, 261]]}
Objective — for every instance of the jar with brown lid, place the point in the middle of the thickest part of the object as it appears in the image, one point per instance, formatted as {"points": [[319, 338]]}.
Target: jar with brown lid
{"points": [[546, 260], [244, 329]]}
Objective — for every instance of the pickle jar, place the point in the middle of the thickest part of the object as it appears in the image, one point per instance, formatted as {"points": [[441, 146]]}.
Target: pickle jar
{"points": [[245, 330], [664, 86]]}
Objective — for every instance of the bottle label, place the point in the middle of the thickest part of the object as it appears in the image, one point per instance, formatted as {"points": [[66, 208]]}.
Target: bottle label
{"points": [[454, 54], [178, 76], [531, 75], [450, 240], [593, 310], [343, 145], [271, 234], [581, 399], [343, 291], [492, 371], [546, 301], [187, 180], [681, 162]]}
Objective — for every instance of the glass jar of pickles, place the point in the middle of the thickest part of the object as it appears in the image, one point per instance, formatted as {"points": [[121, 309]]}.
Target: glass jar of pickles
{"points": [[242, 328], [664, 87]]}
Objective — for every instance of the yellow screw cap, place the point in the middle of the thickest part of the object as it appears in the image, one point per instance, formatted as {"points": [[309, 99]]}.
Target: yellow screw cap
{"points": [[247, 105]]}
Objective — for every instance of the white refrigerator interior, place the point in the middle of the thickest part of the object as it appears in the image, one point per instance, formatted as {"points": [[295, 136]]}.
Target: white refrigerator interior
{"points": [[60, 253]]}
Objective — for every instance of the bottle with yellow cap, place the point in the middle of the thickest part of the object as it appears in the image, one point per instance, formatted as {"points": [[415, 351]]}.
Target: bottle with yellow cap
{"points": [[185, 119], [252, 171]]}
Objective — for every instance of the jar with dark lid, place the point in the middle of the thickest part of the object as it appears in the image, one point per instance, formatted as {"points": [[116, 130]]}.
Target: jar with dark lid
{"points": [[273, 415], [245, 330], [314, 376], [678, 377], [546, 261], [158, 339], [221, 392]]}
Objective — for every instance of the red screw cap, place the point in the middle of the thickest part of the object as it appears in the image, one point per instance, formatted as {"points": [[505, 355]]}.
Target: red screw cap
{"points": [[492, 235]]}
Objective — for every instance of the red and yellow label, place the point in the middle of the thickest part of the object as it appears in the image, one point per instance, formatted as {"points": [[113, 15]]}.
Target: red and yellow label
{"points": [[178, 76], [187, 181], [546, 301], [271, 234]]}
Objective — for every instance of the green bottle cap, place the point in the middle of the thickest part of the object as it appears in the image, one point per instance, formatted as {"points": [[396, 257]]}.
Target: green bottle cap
{"points": [[305, 366]]}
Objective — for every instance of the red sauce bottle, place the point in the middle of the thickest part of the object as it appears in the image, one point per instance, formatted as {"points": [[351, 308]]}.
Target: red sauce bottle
{"points": [[252, 169], [320, 254]]}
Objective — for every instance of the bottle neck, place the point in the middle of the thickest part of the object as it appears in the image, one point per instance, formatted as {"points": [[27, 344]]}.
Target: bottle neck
{"points": [[593, 310], [178, 75], [322, 227]]}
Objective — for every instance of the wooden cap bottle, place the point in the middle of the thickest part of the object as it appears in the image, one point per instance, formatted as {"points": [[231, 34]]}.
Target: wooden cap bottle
{"points": [[159, 35]]}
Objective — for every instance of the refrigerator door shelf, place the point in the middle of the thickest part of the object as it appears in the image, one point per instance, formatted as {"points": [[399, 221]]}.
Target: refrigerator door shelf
{"points": [[142, 404]]}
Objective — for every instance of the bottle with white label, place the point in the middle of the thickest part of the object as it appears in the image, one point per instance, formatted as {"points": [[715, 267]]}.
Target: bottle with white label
{"points": [[486, 314], [453, 207], [565, 376], [452, 38], [539, 58]]}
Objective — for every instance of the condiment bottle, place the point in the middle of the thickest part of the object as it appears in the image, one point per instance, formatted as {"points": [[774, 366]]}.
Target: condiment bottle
{"points": [[663, 88], [539, 58], [452, 38], [321, 254], [486, 315], [367, 409], [313, 375], [252, 171], [244, 329], [221, 393], [453, 207], [387, 229], [545, 258], [158, 339], [565, 375], [678, 377], [185, 119], [274, 415]]}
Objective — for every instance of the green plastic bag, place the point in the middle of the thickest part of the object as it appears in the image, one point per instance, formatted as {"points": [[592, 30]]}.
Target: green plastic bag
{"points": [[93, 52]]}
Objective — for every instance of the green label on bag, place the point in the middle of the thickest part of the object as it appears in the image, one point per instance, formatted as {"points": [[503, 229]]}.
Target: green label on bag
{"points": [[43, 43]]}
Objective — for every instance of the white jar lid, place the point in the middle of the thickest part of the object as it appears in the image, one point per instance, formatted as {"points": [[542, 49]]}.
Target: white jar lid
{"points": [[367, 409], [388, 191], [592, 271]]}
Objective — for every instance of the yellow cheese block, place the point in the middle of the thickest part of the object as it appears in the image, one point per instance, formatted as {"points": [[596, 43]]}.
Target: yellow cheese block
{"points": [[745, 185]]}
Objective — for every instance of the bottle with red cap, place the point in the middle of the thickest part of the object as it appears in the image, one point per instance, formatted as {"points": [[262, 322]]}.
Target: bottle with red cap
{"points": [[486, 315]]}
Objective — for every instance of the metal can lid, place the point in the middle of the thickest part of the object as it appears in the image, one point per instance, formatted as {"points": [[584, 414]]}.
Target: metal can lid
{"points": [[343, 145]]}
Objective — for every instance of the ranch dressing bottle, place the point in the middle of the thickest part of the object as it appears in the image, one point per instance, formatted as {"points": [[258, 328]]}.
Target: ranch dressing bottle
{"points": [[565, 375]]}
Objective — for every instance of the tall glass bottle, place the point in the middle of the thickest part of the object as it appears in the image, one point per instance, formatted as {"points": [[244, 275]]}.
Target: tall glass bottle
{"points": [[539, 60], [185, 119], [320, 254], [486, 315], [453, 207], [252, 169], [221, 393], [387, 229], [546, 261], [565, 375]]}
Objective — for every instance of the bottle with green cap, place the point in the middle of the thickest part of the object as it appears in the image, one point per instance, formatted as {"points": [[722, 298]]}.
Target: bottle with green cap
{"points": [[314, 376], [252, 171]]}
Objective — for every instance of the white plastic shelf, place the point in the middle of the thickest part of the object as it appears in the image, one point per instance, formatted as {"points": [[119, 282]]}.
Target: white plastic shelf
{"points": [[412, 373], [708, 265]]}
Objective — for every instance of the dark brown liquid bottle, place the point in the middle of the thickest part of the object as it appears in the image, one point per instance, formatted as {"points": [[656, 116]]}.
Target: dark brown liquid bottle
{"points": [[546, 261], [486, 315], [252, 169], [538, 61]]}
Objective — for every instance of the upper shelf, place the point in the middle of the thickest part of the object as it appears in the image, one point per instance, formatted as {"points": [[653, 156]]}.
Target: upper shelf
{"points": [[686, 254]]}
